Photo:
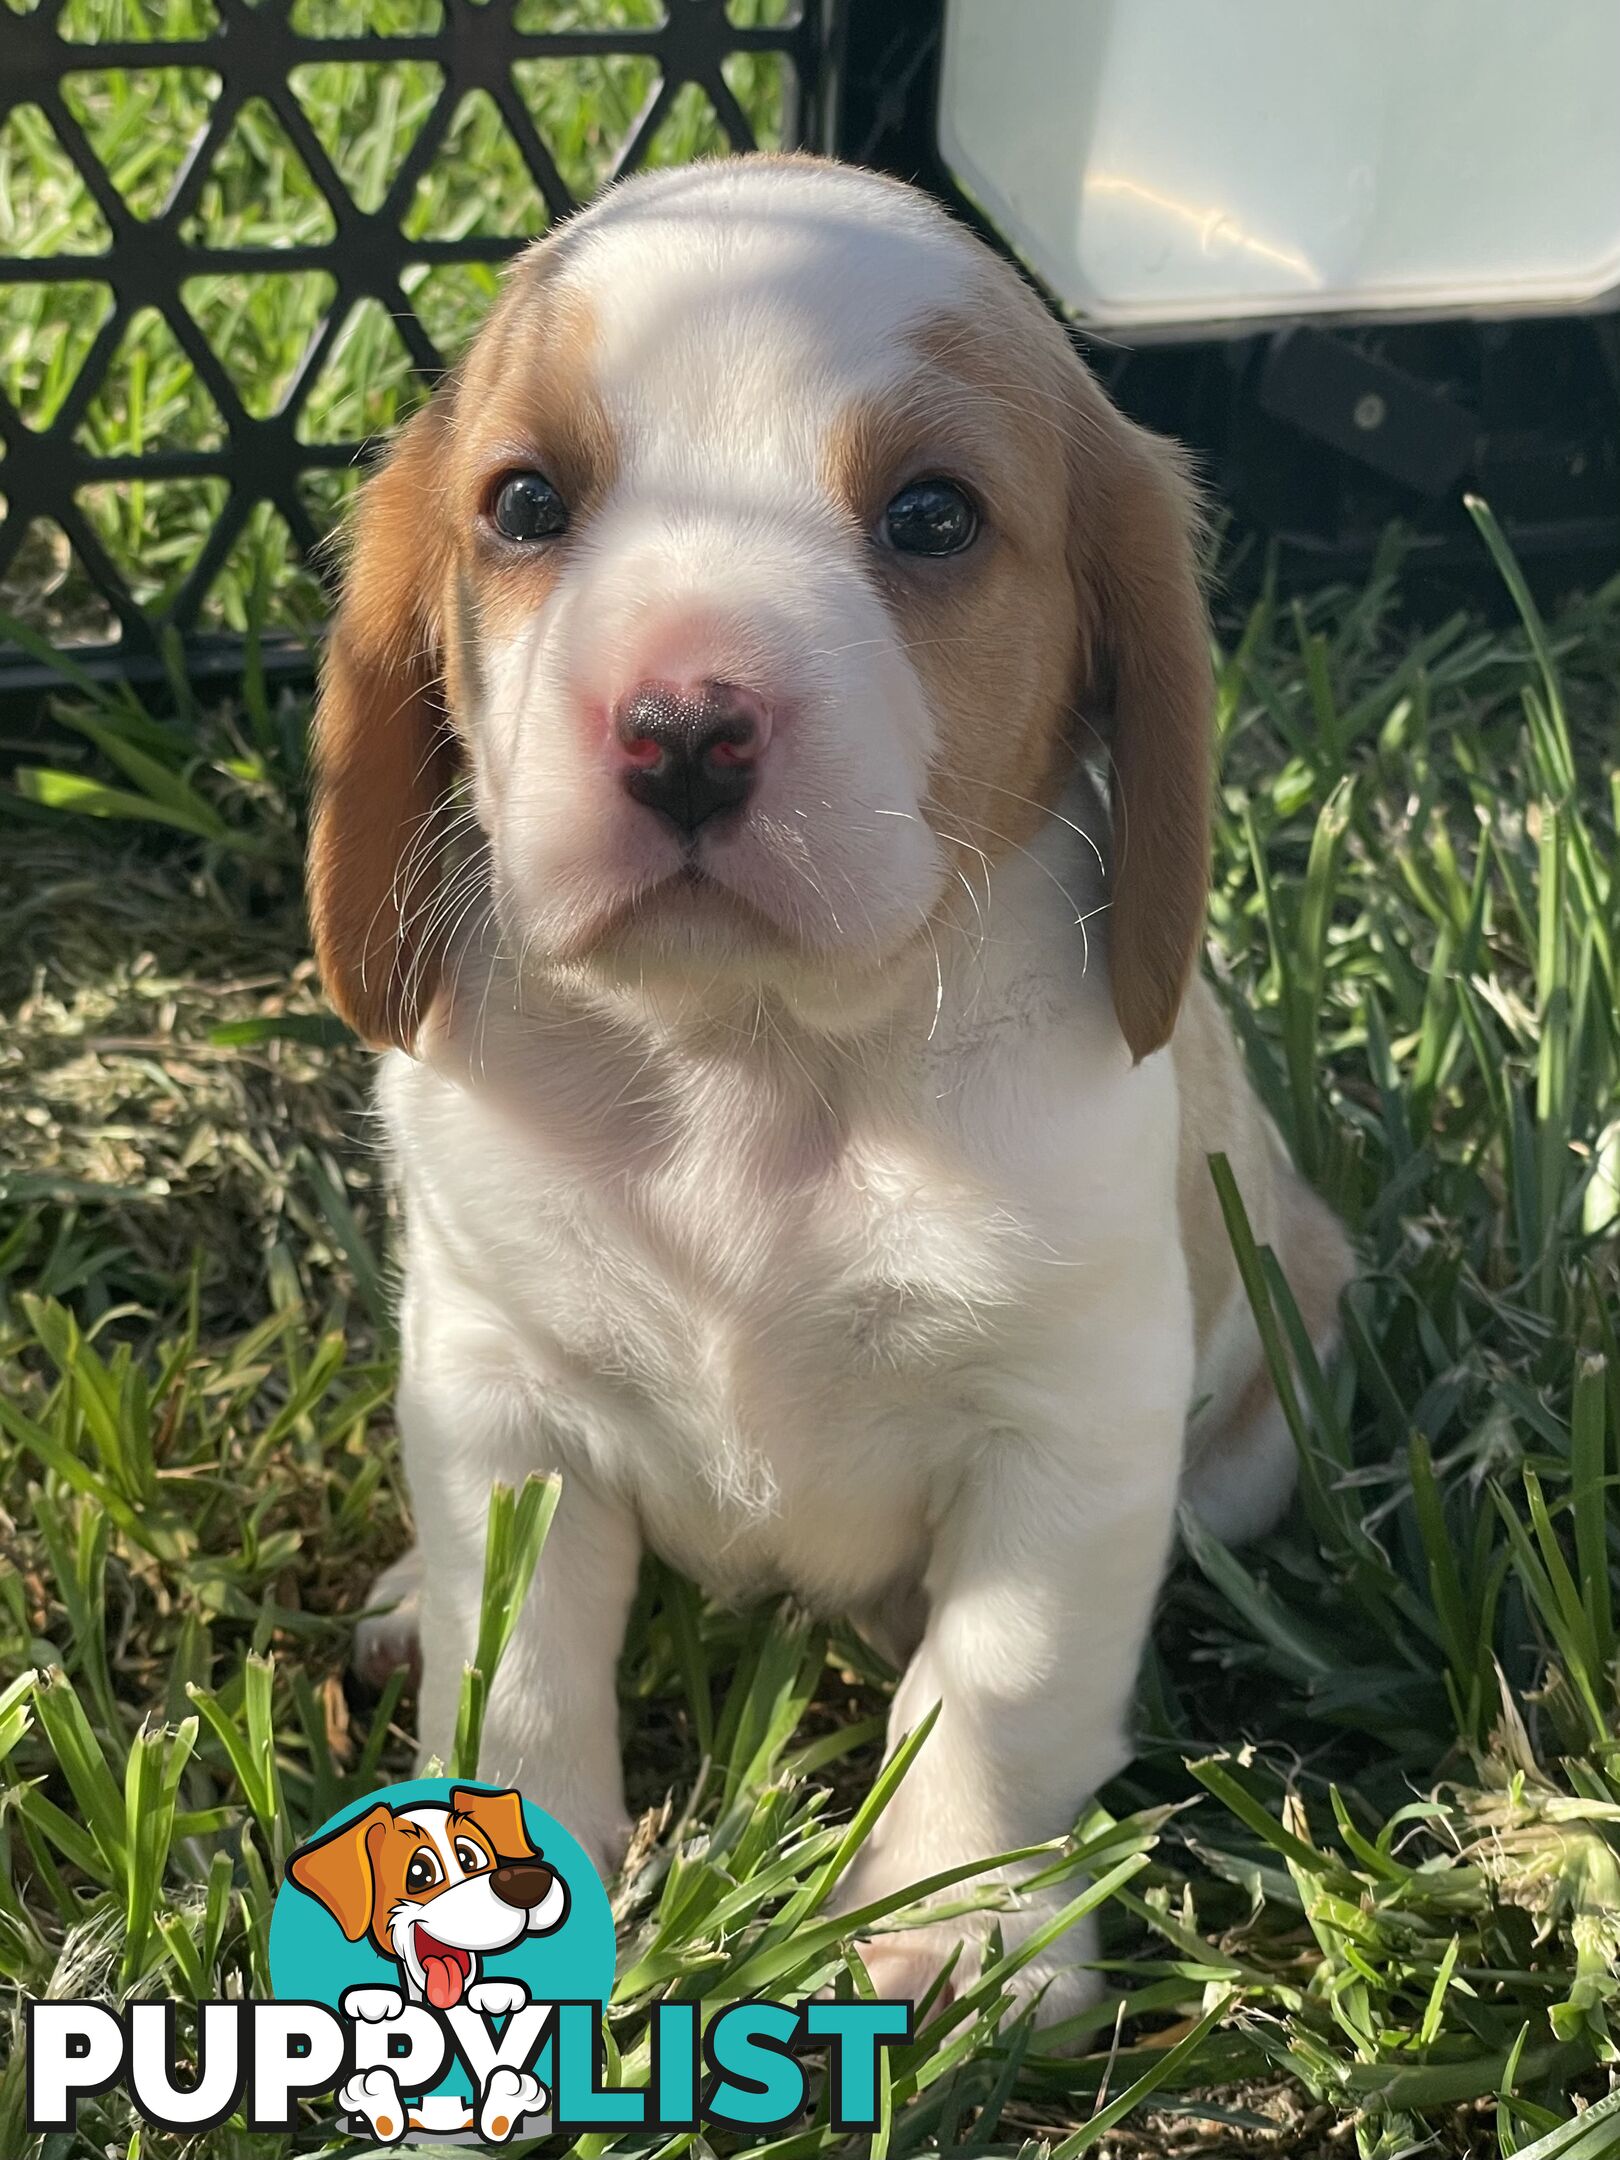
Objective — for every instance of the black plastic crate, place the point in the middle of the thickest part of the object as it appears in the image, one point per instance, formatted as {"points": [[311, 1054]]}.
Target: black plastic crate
{"points": [[154, 136]]}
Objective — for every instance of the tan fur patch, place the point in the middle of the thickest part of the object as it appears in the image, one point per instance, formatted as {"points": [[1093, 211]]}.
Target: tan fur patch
{"points": [[1221, 1115], [385, 756], [425, 585], [1076, 618], [990, 633], [529, 401], [1148, 677]]}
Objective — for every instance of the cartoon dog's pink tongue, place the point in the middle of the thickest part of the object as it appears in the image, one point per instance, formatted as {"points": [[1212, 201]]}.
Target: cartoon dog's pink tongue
{"points": [[445, 1967]]}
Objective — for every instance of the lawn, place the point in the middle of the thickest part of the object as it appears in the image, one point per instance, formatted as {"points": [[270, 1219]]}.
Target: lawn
{"points": [[1362, 1882], [1364, 1868]]}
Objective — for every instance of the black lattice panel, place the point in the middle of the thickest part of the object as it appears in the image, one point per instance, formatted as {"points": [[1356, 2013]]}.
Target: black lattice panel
{"points": [[237, 240]]}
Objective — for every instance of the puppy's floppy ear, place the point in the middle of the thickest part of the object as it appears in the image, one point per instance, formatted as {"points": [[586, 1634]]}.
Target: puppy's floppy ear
{"points": [[1146, 677], [500, 1816], [385, 755], [337, 1871]]}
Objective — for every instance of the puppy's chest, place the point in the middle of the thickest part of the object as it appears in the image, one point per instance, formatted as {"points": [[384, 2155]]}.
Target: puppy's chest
{"points": [[772, 1316], [837, 1265], [799, 1346]]}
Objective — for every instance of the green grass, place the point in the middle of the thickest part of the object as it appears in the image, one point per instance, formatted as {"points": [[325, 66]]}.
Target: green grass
{"points": [[1363, 1877]]}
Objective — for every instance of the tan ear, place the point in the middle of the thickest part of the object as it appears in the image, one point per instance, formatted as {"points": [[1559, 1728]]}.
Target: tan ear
{"points": [[1148, 680], [336, 1871], [385, 754], [500, 1816]]}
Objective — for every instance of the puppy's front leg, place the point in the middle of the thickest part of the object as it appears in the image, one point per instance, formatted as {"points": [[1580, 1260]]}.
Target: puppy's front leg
{"points": [[551, 1727], [1041, 1590]]}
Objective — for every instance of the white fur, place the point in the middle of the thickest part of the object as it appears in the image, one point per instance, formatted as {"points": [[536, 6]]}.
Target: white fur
{"points": [[857, 1273]]}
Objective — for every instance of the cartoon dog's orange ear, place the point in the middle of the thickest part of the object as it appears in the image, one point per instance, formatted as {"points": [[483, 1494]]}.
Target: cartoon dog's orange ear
{"points": [[336, 1871], [500, 1816]]}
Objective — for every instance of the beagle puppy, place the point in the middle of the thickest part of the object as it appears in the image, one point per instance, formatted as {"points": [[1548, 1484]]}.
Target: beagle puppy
{"points": [[764, 811]]}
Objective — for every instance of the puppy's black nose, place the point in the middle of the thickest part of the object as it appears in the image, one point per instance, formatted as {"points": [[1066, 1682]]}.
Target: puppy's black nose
{"points": [[689, 752], [523, 1883]]}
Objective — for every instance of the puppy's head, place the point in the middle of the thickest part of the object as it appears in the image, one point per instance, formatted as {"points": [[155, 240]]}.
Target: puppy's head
{"points": [[765, 566]]}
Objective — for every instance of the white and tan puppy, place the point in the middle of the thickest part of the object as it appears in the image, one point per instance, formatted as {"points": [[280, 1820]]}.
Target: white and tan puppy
{"points": [[801, 1089]]}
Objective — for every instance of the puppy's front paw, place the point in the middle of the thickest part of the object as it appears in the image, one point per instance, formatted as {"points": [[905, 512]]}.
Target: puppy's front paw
{"points": [[388, 1638], [372, 2005], [1057, 1984], [374, 2094], [508, 2097], [1060, 1983], [902, 1968], [497, 1998]]}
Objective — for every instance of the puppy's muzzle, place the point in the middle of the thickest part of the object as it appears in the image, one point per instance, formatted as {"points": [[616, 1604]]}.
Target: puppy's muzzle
{"points": [[521, 1883], [689, 753]]}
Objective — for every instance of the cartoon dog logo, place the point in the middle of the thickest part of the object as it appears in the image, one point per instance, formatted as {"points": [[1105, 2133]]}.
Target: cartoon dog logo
{"points": [[436, 1887]]}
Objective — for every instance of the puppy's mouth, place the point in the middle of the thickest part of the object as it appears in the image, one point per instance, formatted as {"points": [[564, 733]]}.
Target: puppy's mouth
{"points": [[446, 1969], [687, 906]]}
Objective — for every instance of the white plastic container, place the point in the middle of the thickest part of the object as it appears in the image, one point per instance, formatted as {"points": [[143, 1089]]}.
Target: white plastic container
{"points": [[1172, 164]]}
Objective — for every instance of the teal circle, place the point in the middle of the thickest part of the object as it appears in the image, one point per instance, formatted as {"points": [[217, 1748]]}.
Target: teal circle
{"points": [[311, 1960]]}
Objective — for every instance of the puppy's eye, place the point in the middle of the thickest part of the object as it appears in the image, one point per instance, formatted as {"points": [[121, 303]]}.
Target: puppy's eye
{"points": [[930, 517], [528, 507], [472, 1859], [423, 1872]]}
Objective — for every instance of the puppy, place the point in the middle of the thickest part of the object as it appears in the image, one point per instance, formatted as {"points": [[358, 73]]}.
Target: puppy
{"points": [[798, 1145]]}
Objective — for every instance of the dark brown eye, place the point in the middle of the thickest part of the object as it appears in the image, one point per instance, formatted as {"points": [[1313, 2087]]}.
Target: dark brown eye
{"points": [[423, 1872], [527, 507], [930, 517]]}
